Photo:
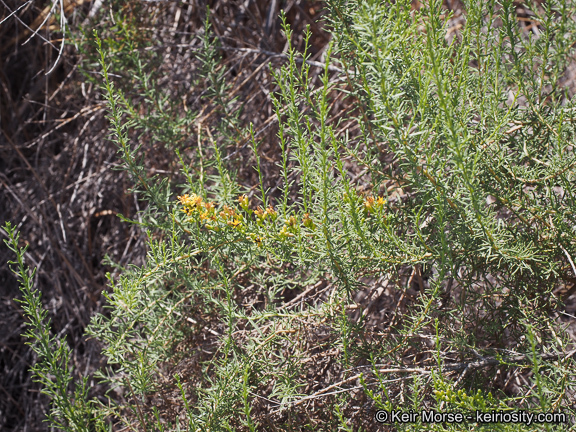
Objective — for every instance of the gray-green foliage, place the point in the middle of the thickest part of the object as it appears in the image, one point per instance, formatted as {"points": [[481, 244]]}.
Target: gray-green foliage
{"points": [[481, 133], [467, 135], [70, 410]]}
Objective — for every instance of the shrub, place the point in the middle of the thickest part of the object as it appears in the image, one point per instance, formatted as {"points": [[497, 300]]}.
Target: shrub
{"points": [[410, 256]]}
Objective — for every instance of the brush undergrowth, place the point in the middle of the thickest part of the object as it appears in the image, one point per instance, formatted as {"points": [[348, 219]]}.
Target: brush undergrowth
{"points": [[411, 261]]}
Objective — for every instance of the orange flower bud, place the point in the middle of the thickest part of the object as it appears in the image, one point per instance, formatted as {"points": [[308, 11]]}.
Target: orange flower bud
{"points": [[271, 212], [243, 200], [259, 212], [307, 221], [209, 206], [369, 203]]}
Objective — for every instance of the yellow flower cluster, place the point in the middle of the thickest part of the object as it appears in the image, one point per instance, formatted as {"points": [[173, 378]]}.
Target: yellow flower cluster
{"points": [[194, 205], [205, 211], [290, 228], [262, 215], [372, 204], [191, 203]]}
